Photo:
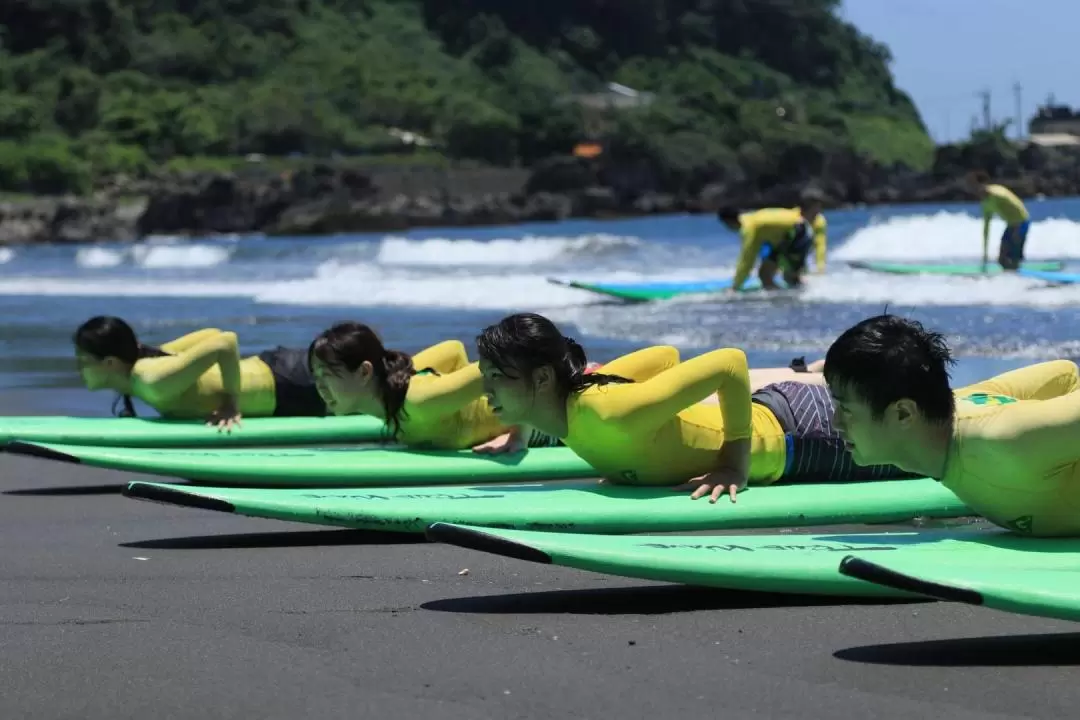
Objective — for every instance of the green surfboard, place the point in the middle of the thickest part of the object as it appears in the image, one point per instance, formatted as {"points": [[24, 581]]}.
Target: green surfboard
{"points": [[159, 432], [320, 467], [992, 268], [1045, 592], [581, 507], [787, 563]]}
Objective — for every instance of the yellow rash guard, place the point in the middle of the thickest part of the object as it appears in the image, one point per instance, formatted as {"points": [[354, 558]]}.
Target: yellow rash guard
{"points": [[641, 365], [174, 387], [189, 383], [1015, 453], [773, 226], [444, 358], [657, 432], [448, 412], [1002, 202]]}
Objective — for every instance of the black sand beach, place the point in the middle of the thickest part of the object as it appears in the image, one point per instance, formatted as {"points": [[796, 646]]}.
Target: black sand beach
{"points": [[113, 608]]}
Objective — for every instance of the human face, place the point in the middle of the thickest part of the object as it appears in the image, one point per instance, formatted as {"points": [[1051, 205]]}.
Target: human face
{"points": [[870, 441], [344, 392], [511, 397], [97, 373]]}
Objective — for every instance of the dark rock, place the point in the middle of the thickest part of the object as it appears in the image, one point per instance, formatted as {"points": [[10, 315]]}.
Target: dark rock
{"points": [[546, 207], [326, 199], [561, 174], [67, 220], [596, 202]]}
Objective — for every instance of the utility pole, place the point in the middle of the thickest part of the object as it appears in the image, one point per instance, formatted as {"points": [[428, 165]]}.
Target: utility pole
{"points": [[985, 95], [1017, 90]]}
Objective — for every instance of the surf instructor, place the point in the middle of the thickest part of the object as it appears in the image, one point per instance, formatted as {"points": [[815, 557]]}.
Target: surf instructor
{"points": [[1009, 447], [780, 238], [999, 200]]}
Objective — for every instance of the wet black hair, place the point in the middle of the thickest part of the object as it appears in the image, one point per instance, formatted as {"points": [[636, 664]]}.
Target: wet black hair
{"points": [[888, 358], [728, 214], [105, 336], [525, 342], [347, 345]]}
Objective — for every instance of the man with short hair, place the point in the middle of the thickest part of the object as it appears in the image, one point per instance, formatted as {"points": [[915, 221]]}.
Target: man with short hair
{"points": [[1009, 447]]}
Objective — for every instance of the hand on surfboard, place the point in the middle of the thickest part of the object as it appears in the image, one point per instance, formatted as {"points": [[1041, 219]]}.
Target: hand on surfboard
{"points": [[226, 417], [510, 442], [730, 476], [715, 484]]}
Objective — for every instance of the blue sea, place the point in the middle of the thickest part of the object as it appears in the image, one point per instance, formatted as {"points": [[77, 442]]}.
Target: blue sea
{"points": [[420, 287]]}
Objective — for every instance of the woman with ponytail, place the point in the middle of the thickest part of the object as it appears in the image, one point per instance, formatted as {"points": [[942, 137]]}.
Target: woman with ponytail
{"points": [[642, 419], [424, 404]]}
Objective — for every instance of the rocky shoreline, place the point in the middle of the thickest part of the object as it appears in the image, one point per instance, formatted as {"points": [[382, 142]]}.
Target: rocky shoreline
{"points": [[326, 199]]}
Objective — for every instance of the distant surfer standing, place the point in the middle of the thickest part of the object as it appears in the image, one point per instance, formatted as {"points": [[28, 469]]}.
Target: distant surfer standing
{"points": [[781, 238], [999, 200]]}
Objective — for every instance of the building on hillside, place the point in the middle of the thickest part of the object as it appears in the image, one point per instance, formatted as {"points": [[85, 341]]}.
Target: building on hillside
{"points": [[1055, 125]]}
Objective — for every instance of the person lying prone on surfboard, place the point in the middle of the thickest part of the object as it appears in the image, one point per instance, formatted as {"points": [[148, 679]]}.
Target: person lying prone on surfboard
{"points": [[423, 406], [201, 374], [1009, 447], [650, 427]]}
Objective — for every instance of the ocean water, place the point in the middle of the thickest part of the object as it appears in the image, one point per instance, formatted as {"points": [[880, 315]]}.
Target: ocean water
{"points": [[428, 285]]}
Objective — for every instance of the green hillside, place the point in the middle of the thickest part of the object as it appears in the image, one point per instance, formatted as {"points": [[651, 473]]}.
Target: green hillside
{"points": [[97, 87]]}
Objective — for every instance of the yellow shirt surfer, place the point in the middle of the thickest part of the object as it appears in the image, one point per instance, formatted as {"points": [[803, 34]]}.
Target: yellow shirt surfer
{"points": [[1009, 447], [1000, 201], [642, 421], [781, 238], [437, 405], [199, 375]]}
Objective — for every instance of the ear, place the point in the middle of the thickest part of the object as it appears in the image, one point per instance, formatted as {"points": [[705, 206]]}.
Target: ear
{"points": [[365, 370], [544, 378], [905, 412], [112, 363]]}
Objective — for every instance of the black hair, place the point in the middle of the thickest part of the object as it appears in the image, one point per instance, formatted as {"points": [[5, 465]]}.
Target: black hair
{"points": [[728, 214], [347, 345], [888, 358], [105, 336], [526, 342]]}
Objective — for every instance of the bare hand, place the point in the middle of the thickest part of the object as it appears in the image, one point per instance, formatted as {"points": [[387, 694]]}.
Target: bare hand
{"points": [[506, 443], [715, 484], [226, 417]]}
